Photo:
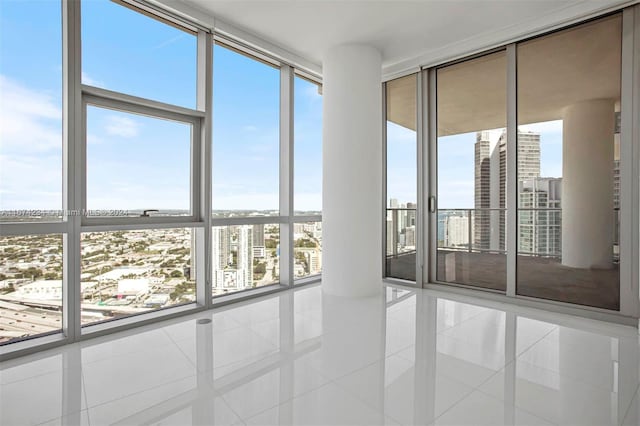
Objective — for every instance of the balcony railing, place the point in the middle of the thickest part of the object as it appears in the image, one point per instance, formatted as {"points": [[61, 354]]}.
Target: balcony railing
{"points": [[472, 230], [484, 230]]}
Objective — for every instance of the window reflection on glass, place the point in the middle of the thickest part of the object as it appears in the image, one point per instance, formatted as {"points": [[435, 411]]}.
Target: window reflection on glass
{"points": [[244, 257], [569, 164], [30, 286]]}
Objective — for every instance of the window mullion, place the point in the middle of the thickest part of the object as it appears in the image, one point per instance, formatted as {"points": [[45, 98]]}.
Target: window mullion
{"points": [[204, 93], [73, 164], [512, 171], [286, 174]]}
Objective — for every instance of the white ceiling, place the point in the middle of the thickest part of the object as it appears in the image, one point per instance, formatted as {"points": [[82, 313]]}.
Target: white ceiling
{"points": [[554, 71], [408, 33]]}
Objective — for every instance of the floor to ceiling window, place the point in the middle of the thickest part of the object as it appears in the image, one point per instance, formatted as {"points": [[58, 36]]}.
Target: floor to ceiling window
{"points": [[527, 187], [307, 188], [308, 147], [246, 159], [401, 172], [31, 179], [471, 172], [246, 135], [139, 164], [569, 165], [132, 197]]}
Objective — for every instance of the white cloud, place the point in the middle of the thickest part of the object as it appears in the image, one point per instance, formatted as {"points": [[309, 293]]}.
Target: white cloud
{"points": [[121, 126], [86, 79], [30, 121], [31, 181], [31, 147]]}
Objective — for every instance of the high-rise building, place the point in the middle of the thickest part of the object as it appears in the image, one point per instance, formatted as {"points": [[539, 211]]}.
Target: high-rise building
{"points": [[456, 231], [244, 260], [490, 182], [489, 188], [220, 246], [410, 236], [411, 214], [391, 237], [528, 154], [258, 235], [314, 259], [540, 217], [220, 249], [616, 187], [226, 241]]}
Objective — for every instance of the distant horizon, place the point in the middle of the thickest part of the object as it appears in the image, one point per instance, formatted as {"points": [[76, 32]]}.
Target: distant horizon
{"points": [[27, 213]]}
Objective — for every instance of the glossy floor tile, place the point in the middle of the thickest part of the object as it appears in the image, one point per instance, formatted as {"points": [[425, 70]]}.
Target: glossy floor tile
{"points": [[299, 357]]}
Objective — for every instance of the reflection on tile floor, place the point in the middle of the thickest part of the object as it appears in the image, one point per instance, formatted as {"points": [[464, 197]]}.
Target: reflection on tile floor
{"points": [[298, 357]]}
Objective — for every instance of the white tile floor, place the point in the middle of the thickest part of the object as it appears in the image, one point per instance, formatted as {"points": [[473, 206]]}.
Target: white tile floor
{"points": [[416, 357]]}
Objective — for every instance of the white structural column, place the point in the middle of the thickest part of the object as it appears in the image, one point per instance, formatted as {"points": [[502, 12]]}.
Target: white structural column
{"points": [[587, 184], [352, 175]]}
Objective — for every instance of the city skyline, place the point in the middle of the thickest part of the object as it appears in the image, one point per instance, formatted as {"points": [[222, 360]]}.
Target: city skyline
{"points": [[129, 272], [456, 163]]}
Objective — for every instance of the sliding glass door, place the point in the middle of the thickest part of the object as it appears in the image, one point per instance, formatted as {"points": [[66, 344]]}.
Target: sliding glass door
{"points": [[529, 168], [401, 183], [569, 165], [471, 172]]}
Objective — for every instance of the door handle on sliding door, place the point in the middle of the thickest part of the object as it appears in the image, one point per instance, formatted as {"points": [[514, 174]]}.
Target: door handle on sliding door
{"points": [[432, 204]]}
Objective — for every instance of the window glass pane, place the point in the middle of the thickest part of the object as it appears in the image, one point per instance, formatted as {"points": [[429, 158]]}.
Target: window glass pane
{"points": [[136, 163], [30, 286], [308, 147], [307, 249], [472, 172], [30, 111], [126, 51], [244, 257], [130, 272], [246, 136], [401, 178], [569, 165]]}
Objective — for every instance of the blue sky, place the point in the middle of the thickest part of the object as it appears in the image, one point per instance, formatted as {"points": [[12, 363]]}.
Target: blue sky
{"points": [[456, 180], [456, 163], [30, 106], [138, 162], [133, 161]]}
